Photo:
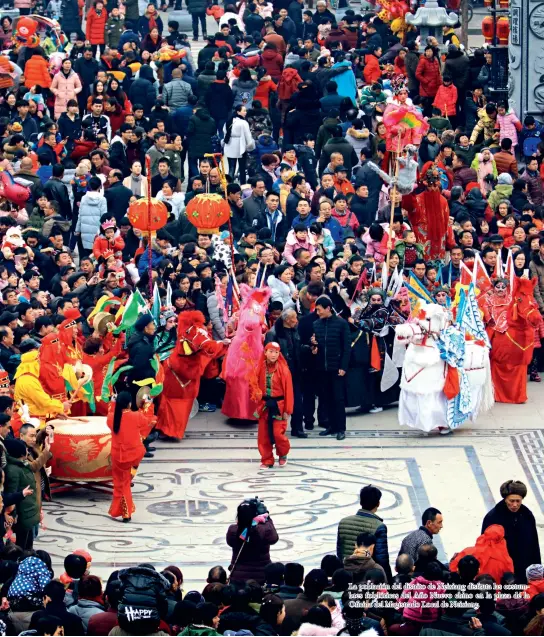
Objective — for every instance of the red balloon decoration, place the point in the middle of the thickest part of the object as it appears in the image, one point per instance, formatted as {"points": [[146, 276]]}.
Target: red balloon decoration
{"points": [[207, 212], [145, 217]]}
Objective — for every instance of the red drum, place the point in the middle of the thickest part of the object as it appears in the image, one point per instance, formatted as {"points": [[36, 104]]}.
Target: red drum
{"points": [[81, 450]]}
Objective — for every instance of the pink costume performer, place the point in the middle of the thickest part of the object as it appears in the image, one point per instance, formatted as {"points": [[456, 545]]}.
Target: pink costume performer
{"points": [[240, 368]]}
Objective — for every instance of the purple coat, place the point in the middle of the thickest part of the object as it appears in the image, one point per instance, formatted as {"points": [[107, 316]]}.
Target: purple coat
{"points": [[255, 555]]}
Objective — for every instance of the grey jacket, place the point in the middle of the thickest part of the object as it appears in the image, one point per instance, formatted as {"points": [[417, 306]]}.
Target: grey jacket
{"points": [[176, 93], [216, 317], [85, 609]]}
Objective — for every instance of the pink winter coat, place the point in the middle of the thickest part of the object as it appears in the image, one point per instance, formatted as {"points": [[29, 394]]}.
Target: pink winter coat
{"points": [[509, 125], [64, 89], [292, 244], [376, 250], [418, 599]]}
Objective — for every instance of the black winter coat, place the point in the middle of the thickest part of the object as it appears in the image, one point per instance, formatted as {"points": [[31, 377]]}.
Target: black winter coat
{"points": [[197, 6], [255, 555], [289, 342], [143, 92], [457, 65], [55, 190], [333, 344], [364, 175], [200, 132], [342, 146], [521, 536], [140, 353], [117, 198], [143, 588], [70, 21]]}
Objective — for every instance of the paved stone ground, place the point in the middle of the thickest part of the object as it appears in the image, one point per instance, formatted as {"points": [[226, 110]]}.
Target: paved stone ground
{"points": [[186, 496]]}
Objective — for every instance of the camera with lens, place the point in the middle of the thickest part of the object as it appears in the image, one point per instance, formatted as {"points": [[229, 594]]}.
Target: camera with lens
{"points": [[258, 503]]}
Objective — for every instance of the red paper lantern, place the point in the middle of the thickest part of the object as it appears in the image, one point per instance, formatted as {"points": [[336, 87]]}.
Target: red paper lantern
{"points": [[488, 3], [488, 29], [207, 212], [504, 4], [503, 30], [145, 217]]}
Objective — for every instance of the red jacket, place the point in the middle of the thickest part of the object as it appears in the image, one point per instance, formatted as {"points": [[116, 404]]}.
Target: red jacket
{"points": [[127, 445], [101, 244], [428, 76], [446, 100], [372, 72], [37, 72], [96, 26], [272, 61]]}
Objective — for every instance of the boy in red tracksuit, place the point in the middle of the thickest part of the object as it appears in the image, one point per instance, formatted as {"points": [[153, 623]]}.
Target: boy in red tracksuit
{"points": [[276, 405]]}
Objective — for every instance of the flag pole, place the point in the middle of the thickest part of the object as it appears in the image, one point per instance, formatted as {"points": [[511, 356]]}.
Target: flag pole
{"points": [[149, 250], [393, 193]]}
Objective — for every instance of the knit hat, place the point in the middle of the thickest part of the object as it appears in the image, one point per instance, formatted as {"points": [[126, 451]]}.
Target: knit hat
{"points": [[16, 127], [143, 321], [534, 572], [17, 449], [505, 178]]}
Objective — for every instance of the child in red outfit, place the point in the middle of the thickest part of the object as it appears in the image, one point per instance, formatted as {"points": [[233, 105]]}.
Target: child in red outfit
{"points": [[276, 405]]}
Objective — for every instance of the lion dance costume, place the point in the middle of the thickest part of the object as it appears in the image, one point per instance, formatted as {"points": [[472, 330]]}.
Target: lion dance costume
{"points": [[192, 358]]}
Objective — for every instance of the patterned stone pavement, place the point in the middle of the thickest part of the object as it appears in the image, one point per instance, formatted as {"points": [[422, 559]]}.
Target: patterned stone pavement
{"points": [[186, 496]]}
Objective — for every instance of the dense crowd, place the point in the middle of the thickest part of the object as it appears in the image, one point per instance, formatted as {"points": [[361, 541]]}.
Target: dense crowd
{"points": [[495, 587]]}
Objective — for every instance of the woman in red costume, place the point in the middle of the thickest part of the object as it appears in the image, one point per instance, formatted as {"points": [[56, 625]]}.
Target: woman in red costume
{"points": [[275, 406], [191, 359], [429, 216], [129, 427], [510, 321], [492, 553]]}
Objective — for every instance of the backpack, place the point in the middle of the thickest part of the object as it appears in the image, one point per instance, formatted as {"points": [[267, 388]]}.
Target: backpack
{"points": [[530, 144]]}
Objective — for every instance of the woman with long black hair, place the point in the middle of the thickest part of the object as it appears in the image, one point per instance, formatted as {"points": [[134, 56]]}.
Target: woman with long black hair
{"points": [[250, 539], [128, 425]]}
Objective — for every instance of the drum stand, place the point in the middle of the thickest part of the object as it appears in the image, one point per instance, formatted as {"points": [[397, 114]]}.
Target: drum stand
{"points": [[59, 486]]}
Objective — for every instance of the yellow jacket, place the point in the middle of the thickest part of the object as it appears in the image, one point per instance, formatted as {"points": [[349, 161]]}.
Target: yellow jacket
{"points": [[29, 390]]}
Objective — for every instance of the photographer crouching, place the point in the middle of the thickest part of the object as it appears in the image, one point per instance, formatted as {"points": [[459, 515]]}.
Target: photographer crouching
{"points": [[250, 539]]}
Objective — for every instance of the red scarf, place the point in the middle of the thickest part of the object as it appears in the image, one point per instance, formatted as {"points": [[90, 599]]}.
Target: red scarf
{"points": [[152, 21]]}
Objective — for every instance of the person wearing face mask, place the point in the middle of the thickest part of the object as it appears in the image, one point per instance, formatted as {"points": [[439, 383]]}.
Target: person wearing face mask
{"points": [[519, 527]]}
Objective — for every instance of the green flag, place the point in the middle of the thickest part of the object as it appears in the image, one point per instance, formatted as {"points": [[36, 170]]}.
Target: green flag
{"points": [[135, 306]]}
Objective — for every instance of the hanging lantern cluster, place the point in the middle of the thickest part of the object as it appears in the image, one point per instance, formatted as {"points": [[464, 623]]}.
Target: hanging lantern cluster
{"points": [[208, 212]]}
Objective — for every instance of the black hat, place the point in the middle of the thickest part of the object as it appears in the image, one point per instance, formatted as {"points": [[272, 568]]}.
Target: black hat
{"points": [[7, 317], [16, 448], [30, 274], [496, 238], [65, 269], [143, 321], [340, 169]]}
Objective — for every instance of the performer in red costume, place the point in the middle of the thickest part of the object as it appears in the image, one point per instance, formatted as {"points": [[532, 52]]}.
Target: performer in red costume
{"points": [[51, 364], [275, 406], [190, 360], [129, 426], [429, 217], [511, 322]]}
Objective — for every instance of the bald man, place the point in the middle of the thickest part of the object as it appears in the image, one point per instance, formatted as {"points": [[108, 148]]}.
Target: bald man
{"points": [[26, 172]]}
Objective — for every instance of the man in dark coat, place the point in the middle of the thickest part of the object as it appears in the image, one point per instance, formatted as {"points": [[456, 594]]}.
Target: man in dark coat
{"points": [[253, 22], [197, 9], [519, 527], [365, 175], [338, 144], [314, 585], [457, 65], [331, 346], [202, 128], [87, 68], [142, 90], [117, 195], [141, 348], [285, 333]]}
